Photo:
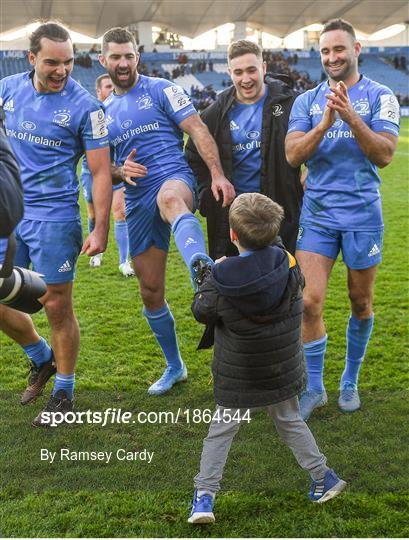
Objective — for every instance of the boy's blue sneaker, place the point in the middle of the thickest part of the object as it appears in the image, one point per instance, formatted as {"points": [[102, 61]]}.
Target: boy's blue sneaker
{"points": [[202, 509], [327, 488], [200, 266], [349, 398], [170, 377], [311, 400]]}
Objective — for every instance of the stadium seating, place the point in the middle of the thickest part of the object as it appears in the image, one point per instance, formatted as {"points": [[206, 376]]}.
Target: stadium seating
{"points": [[86, 76], [312, 66], [379, 70], [374, 66]]}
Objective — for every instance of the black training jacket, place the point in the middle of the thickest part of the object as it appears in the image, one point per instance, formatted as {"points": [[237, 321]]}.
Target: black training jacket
{"points": [[279, 180]]}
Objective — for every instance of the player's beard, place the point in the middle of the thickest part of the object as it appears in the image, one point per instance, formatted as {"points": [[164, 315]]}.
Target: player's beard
{"points": [[342, 74], [124, 83]]}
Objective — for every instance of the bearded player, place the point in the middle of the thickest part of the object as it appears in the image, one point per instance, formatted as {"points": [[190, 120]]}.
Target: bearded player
{"points": [[344, 129], [146, 118]]}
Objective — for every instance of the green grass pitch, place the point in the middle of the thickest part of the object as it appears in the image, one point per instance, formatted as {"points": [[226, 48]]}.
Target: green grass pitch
{"points": [[264, 491]]}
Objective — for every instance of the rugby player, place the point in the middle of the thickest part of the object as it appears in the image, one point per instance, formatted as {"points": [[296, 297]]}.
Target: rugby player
{"points": [[146, 118], [249, 122], [344, 129], [51, 120], [104, 88]]}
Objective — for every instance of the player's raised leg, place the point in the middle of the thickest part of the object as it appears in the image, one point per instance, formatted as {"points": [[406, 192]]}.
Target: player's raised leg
{"points": [[316, 269], [175, 202], [150, 270], [360, 287]]}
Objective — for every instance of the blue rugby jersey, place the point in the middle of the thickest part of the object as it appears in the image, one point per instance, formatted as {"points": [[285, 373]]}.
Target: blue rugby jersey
{"points": [[245, 128], [48, 133], [147, 118], [343, 184]]}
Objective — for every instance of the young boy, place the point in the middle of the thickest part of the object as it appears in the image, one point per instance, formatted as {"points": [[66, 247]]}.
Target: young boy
{"points": [[253, 302]]}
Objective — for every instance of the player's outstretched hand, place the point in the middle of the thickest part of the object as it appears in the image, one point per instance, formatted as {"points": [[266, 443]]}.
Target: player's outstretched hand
{"points": [[131, 169], [338, 101], [226, 187], [95, 243]]}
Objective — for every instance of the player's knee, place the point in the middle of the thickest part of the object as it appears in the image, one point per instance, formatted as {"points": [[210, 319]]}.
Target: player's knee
{"points": [[312, 305], [361, 305], [152, 295], [118, 213], [169, 200], [57, 308]]}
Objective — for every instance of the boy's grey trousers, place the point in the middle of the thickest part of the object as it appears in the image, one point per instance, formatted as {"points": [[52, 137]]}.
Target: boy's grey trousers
{"points": [[290, 426]]}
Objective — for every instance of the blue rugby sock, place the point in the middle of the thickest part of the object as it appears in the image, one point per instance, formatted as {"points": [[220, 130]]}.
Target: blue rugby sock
{"points": [[358, 334], [314, 355], [91, 225], [39, 353], [64, 382], [189, 237], [121, 237], [162, 325]]}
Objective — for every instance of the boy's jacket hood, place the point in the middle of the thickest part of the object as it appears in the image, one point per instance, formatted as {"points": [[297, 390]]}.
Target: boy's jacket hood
{"points": [[255, 283]]}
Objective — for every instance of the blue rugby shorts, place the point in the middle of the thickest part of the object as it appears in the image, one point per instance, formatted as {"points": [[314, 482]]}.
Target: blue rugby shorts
{"points": [[360, 249]]}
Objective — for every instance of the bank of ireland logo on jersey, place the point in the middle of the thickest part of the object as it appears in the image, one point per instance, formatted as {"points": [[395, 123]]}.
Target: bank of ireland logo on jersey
{"points": [[28, 125], [62, 117], [126, 124], [177, 97], [253, 134]]}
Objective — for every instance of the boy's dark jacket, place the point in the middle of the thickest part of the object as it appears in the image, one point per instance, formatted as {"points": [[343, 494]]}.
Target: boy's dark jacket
{"points": [[254, 304]]}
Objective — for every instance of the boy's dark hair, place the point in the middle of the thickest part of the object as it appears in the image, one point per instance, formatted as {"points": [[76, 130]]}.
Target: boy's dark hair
{"points": [[50, 30], [339, 24], [243, 46], [255, 219], [117, 35]]}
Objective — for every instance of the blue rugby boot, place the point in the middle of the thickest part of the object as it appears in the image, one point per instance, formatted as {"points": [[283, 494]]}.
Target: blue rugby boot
{"points": [[311, 400], [170, 377], [202, 509], [327, 488], [349, 401], [200, 267]]}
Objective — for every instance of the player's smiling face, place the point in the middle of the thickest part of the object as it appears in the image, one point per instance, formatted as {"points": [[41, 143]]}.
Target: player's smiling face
{"points": [[52, 65], [121, 60], [339, 55], [247, 73]]}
